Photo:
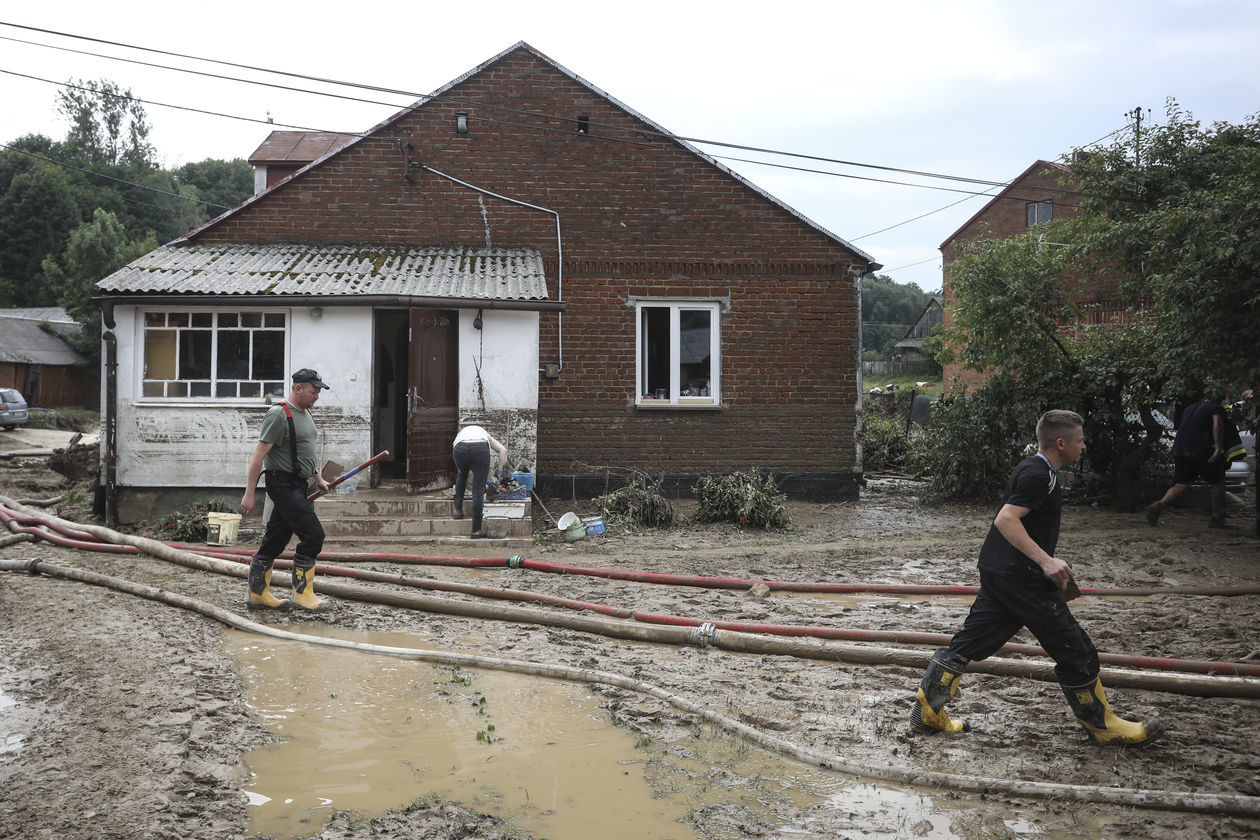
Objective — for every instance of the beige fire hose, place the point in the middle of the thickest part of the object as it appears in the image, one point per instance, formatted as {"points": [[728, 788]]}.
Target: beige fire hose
{"points": [[1212, 803], [1187, 684]]}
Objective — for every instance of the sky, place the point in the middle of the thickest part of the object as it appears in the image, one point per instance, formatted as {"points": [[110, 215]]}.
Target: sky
{"points": [[978, 89]]}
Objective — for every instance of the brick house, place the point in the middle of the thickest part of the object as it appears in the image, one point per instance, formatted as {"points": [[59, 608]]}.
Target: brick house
{"points": [[1035, 197], [518, 249]]}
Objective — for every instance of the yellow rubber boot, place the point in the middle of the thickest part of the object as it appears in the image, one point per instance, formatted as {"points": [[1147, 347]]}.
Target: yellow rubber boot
{"points": [[1089, 704], [939, 686], [260, 597], [304, 589]]}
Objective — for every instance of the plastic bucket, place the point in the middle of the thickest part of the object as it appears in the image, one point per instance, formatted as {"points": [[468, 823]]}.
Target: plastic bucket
{"points": [[572, 527], [495, 527], [221, 528]]}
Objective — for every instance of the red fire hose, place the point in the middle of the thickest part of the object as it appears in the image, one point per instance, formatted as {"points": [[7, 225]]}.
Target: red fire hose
{"points": [[57, 532]]}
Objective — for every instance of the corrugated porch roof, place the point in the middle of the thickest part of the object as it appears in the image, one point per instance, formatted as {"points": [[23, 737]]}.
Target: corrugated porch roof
{"points": [[217, 268]]}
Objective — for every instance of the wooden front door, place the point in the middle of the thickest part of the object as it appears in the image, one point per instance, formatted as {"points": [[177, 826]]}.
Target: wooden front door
{"points": [[432, 398]]}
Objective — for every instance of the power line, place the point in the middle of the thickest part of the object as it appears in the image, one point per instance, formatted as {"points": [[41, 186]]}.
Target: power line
{"points": [[921, 216], [189, 108], [111, 177], [429, 98], [911, 265], [130, 98]]}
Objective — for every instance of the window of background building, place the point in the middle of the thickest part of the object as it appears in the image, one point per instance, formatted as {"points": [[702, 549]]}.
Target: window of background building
{"points": [[1040, 212]]}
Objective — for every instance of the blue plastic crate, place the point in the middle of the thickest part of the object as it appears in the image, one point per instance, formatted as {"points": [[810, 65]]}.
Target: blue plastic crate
{"points": [[594, 527]]}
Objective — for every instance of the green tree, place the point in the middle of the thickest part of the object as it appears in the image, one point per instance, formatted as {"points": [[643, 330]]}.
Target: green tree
{"points": [[168, 208], [108, 128], [225, 183], [1177, 219], [1178, 213], [889, 309], [38, 209], [94, 250]]}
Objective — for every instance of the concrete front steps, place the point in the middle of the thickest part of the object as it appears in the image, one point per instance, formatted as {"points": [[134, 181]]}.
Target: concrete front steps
{"points": [[394, 521]]}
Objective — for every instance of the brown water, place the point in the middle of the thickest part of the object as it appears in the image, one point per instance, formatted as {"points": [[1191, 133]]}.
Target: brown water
{"points": [[370, 733]]}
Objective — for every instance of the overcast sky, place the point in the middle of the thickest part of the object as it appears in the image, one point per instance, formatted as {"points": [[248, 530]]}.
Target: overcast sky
{"points": [[972, 89]]}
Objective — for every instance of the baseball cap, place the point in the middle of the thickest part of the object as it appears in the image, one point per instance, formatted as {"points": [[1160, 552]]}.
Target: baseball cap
{"points": [[308, 375]]}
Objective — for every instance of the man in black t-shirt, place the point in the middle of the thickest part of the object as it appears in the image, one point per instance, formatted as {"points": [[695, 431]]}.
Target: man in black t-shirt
{"points": [[1198, 452], [1022, 584]]}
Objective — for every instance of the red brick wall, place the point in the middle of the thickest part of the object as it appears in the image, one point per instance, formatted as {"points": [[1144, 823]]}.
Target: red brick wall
{"points": [[639, 216], [1004, 217]]}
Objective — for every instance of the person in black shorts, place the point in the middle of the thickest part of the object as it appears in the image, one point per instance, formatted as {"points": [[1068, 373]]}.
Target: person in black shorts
{"points": [[1198, 452], [1022, 584]]}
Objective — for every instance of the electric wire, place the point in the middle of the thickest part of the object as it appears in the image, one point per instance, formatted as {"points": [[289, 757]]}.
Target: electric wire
{"points": [[188, 108], [430, 98], [112, 178]]}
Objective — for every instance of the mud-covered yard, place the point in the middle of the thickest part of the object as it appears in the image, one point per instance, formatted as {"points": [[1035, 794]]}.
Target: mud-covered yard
{"points": [[125, 718]]}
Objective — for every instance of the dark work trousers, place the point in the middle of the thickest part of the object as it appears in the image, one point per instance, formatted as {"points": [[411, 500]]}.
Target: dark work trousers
{"points": [[475, 458], [291, 514], [1006, 603]]}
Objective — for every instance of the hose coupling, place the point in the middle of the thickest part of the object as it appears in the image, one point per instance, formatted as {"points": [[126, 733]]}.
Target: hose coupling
{"points": [[704, 635], [30, 566], [516, 561]]}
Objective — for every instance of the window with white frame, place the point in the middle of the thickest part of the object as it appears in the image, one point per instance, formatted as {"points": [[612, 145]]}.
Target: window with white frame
{"points": [[1040, 212], [678, 353], [213, 355]]}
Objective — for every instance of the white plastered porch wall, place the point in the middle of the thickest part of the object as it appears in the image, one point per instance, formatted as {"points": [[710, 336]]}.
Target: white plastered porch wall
{"points": [[504, 396], [208, 443]]}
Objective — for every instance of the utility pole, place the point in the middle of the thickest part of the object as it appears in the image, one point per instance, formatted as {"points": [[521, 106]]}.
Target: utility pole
{"points": [[1136, 116]]}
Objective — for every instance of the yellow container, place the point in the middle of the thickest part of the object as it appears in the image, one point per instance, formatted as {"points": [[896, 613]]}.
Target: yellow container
{"points": [[221, 528]]}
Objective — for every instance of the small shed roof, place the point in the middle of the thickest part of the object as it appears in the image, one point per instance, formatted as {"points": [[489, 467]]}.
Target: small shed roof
{"points": [[219, 268], [24, 341], [298, 147], [52, 314]]}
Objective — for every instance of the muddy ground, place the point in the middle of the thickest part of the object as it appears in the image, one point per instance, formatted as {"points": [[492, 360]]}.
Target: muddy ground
{"points": [[125, 718]]}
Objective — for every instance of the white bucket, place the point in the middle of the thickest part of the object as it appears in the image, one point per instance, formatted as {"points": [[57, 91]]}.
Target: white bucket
{"points": [[221, 528]]}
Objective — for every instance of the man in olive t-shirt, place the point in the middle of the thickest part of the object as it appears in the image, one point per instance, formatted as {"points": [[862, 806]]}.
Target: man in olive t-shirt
{"points": [[288, 450]]}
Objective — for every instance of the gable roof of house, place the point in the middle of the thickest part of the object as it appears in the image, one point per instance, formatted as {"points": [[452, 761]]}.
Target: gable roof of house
{"points": [[1014, 184], [521, 45], [932, 315], [481, 273], [24, 341]]}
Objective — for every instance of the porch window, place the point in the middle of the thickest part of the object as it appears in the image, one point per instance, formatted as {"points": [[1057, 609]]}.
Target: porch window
{"points": [[678, 350], [213, 355]]}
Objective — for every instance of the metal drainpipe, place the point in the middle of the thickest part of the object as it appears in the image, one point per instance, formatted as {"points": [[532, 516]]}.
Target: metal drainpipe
{"points": [[111, 427], [559, 251]]}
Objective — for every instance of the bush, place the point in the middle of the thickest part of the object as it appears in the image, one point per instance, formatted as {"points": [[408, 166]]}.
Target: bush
{"points": [[744, 498], [640, 502], [884, 444], [975, 441], [189, 526]]}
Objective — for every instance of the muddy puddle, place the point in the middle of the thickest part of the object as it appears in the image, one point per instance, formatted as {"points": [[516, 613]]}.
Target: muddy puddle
{"points": [[370, 733]]}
